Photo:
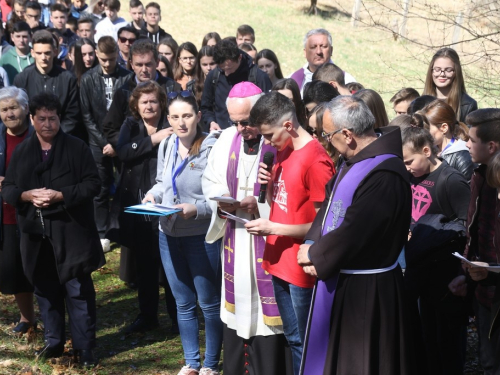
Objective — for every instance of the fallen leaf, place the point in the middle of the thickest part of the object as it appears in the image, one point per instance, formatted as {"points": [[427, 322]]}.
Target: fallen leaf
{"points": [[7, 363]]}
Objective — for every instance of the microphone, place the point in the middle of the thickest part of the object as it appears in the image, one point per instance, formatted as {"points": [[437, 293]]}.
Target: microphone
{"points": [[268, 161]]}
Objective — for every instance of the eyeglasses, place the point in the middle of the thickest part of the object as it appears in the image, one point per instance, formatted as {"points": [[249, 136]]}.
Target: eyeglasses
{"points": [[446, 71], [129, 40], [329, 136], [174, 94], [188, 58], [243, 123]]}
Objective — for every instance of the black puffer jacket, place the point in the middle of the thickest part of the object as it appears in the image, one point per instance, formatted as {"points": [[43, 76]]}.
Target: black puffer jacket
{"points": [[216, 91], [458, 156], [120, 110], [93, 101]]}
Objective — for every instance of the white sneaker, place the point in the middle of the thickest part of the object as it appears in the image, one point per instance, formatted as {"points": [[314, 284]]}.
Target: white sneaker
{"points": [[106, 245], [187, 370], [208, 371]]}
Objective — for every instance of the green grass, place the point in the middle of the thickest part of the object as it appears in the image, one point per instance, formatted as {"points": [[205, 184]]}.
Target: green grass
{"points": [[154, 352]]}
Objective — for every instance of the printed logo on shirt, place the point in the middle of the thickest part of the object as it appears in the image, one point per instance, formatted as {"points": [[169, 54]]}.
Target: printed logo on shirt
{"points": [[108, 83], [422, 200], [280, 195]]}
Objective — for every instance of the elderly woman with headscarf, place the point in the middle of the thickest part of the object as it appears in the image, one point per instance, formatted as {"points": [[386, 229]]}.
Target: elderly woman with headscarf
{"points": [[52, 180], [14, 128]]}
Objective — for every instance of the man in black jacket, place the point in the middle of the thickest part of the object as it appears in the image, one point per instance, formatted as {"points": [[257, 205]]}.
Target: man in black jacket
{"points": [[150, 29], [235, 66], [97, 87], [45, 76], [144, 60]]}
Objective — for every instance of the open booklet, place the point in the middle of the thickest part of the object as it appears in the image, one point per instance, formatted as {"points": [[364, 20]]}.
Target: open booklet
{"points": [[151, 209], [495, 269]]}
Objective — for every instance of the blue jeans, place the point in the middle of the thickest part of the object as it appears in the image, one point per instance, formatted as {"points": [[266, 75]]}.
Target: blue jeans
{"points": [[193, 269], [293, 304]]}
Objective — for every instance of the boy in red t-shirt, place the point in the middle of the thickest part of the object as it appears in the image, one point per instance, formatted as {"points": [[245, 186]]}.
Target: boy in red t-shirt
{"points": [[296, 190]]}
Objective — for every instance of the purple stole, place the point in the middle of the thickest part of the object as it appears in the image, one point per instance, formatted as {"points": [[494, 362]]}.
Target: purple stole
{"points": [[298, 77], [264, 282], [318, 326]]}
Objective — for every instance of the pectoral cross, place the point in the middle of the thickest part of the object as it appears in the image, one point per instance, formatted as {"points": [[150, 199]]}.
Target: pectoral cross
{"points": [[229, 250], [246, 188]]}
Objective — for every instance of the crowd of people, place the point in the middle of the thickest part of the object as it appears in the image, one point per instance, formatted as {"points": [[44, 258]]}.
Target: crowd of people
{"points": [[316, 236]]}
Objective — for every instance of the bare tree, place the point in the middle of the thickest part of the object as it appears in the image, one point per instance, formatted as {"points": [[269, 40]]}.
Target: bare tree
{"points": [[472, 28]]}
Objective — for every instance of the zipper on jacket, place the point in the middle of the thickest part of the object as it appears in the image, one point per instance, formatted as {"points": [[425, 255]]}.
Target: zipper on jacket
{"points": [[40, 215]]}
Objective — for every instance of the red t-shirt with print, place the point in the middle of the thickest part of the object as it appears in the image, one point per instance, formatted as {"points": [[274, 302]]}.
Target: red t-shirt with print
{"points": [[299, 180]]}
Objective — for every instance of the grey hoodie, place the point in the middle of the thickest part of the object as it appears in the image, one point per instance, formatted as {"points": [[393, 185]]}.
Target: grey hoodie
{"points": [[188, 184]]}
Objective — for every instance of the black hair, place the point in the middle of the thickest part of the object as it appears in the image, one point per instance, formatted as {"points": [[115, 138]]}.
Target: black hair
{"points": [[318, 92], [57, 7], [226, 50], [21, 26], [130, 29], [142, 47], [45, 100], [271, 108], [417, 138], [43, 37], [487, 124], [419, 103], [33, 5]]}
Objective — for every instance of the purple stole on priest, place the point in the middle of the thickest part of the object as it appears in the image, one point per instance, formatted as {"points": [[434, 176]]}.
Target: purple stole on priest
{"points": [[318, 326], [264, 282]]}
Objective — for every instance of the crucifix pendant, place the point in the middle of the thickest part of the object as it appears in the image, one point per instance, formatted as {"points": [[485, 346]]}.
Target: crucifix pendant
{"points": [[246, 188]]}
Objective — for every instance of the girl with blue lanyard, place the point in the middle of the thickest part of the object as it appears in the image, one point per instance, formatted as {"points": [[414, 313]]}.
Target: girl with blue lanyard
{"points": [[450, 136], [192, 266]]}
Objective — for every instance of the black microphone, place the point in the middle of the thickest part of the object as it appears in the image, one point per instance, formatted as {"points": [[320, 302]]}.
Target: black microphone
{"points": [[268, 161]]}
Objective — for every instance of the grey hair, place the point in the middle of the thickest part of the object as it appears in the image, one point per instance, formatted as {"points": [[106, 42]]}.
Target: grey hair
{"points": [[253, 99], [316, 32], [19, 95], [349, 112]]}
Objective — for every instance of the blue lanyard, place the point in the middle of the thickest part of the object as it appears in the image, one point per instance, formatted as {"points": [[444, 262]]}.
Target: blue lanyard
{"points": [[177, 171], [449, 144]]}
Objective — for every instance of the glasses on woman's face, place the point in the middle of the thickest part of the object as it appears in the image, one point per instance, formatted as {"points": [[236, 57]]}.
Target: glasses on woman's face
{"points": [[447, 71], [187, 58]]}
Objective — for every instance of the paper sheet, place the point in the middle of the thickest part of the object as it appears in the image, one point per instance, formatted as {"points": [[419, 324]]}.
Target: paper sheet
{"points": [[224, 199], [235, 218], [495, 269]]}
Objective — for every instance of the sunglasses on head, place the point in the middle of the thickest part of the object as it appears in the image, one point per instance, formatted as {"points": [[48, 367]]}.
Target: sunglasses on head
{"points": [[124, 40], [184, 94]]}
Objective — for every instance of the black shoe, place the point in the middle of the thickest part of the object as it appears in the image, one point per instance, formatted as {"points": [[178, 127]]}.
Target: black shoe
{"points": [[141, 324], [49, 352], [131, 285], [174, 328], [87, 358], [23, 327]]}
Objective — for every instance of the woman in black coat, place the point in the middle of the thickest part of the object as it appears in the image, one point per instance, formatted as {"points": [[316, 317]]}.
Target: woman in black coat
{"points": [[137, 148], [52, 180]]}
